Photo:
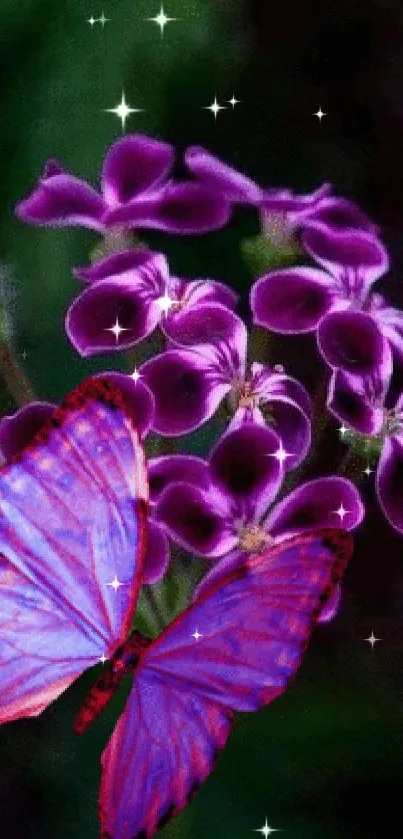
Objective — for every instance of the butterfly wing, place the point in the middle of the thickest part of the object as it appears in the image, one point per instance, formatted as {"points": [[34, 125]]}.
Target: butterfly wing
{"points": [[72, 520], [252, 629]]}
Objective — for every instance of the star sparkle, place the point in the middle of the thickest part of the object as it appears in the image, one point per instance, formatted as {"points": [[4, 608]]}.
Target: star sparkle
{"points": [[343, 430], [161, 20], [367, 471], [196, 635], [123, 110], [320, 114], [135, 375], [103, 657], [115, 584], [341, 512], [215, 108], [372, 639], [116, 329], [281, 454], [266, 830], [233, 101], [102, 20], [165, 302], [91, 20]]}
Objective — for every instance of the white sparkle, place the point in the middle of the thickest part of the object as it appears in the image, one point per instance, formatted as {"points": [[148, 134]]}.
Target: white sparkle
{"points": [[116, 329], [215, 108], [367, 471], [320, 114], [123, 110], [102, 20], [24, 355], [165, 302], [161, 20], [343, 430], [233, 101], [372, 640], [341, 512], [103, 658], [91, 20], [115, 584], [281, 454], [135, 375], [196, 635], [266, 830]]}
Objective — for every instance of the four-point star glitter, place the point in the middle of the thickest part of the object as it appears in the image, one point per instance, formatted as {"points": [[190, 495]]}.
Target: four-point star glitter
{"points": [[320, 114], [165, 302], [123, 110], [281, 454], [372, 640], [341, 512], [102, 20], [135, 375], [215, 108], [116, 329], [233, 101], [196, 635], [115, 584], [161, 20], [266, 830]]}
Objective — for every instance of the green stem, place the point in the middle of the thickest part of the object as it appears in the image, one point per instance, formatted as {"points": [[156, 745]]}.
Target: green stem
{"points": [[13, 375]]}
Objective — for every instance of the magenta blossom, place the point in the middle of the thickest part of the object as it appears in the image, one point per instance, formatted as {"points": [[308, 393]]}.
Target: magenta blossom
{"points": [[130, 293], [282, 212], [18, 430], [189, 384], [355, 328], [137, 190], [232, 511]]}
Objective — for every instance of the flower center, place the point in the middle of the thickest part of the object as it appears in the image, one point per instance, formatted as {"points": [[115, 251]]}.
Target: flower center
{"points": [[253, 539]]}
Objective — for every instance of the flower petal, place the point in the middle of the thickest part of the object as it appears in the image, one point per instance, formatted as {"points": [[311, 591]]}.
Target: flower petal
{"points": [[245, 469], [352, 340], [216, 174], [207, 322], [104, 305], [19, 429], [347, 401], [116, 263], [134, 164], [389, 482], [291, 300], [314, 505], [137, 396], [174, 468], [204, 291], [331, 607], [157, 556], [185, 394], [63, 199], [178, 208], [347, 250], [222, 568], [295, 206], [193, 520], [340, 213]]}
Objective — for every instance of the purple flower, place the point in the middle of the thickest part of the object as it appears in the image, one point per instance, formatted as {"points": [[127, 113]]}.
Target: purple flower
{"points": [[132, 292], [360, 404], [282, 212], [355, 328], [235, 514], [19, 429], [189, 384], [137, 190]]}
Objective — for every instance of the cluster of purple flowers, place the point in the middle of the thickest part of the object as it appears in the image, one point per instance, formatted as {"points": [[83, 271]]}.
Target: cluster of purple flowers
{"points": [[225, 506]]}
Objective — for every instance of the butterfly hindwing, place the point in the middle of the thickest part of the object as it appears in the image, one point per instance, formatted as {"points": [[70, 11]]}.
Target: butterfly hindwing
{"points": [[72, 517], [252, 628]]}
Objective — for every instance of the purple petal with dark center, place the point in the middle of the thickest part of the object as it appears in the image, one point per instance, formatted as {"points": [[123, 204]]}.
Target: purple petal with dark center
{"points": [[185, 394], [269, 383], [96, 311], [244, 468], [63, 200], [314, 505], [291, 300], [157, 556], [216, 174], [137, 396], [390, 322], [292, 426], [203, 291], [389, 482], [193, 520], [134, 164], [206, 322], [178, 208], [348, 251], [19, 429], [347, 401], [116, 263], [284, 201], [174, 468], [340, 214], [352, 341], [331, 607]]}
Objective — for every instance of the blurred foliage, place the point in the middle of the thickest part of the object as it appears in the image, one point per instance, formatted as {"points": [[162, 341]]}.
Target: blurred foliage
{"points": [[325, 760]]}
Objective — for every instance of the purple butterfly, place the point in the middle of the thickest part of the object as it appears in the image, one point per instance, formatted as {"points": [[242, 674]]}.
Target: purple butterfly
{"points": [[72, 525]]}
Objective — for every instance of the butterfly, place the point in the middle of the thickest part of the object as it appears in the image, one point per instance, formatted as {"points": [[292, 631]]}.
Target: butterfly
{"points": [[73, 515]]}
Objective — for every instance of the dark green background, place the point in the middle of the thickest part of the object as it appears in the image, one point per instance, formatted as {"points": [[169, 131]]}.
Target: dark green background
{"points": [[325, 760]]}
